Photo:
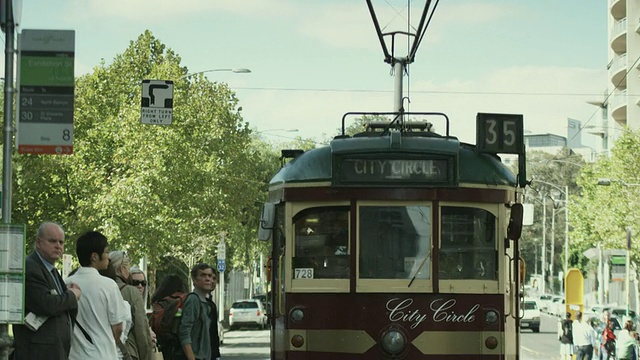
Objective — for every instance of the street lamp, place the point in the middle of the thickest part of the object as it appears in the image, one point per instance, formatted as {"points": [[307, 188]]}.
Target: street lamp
{"points": [[237, 71], [608, 182], [566, 225]]}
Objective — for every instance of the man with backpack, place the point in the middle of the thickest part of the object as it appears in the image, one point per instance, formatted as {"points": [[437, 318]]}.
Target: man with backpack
{"points": [[198, 331], [565, 335]]}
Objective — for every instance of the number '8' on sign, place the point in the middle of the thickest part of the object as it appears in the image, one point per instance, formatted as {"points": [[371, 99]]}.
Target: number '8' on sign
{"points": [[499, 133]]}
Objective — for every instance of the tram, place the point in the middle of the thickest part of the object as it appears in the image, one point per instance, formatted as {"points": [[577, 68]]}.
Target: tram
{"points": [[398, 241]]}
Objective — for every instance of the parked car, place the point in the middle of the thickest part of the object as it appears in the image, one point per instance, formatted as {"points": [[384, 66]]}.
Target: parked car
{"points": [[249, 312], [557, 307], [544, 302], [531, 316], [621, 313]]}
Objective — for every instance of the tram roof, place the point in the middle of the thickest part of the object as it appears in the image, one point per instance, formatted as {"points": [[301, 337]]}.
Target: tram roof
{"points": [[473, 167]]}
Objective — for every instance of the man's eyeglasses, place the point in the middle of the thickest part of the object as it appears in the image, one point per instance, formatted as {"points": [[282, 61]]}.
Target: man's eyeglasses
{"points": [[138, 282]]}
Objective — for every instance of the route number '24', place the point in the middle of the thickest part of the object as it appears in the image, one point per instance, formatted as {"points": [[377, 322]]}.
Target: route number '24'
{"points": [[499, 133]]}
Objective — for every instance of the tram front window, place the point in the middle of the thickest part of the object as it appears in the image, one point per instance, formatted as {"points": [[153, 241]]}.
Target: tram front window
{"points": [[468, 244], [321, 243], [395, 242]]}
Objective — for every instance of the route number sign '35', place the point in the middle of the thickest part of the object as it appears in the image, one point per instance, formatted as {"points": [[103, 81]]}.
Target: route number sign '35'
{"points": [[500, 133]]}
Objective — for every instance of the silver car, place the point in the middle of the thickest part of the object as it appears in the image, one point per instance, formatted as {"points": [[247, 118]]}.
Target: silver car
{"points": [[249, 312]]}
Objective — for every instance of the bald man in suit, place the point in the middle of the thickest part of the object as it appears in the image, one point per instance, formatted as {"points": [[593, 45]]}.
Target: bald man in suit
{"points": [[47, 295]]}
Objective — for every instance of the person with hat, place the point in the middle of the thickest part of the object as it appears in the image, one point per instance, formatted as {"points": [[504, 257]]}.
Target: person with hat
{"points": [[565, 335], [585, 339]]}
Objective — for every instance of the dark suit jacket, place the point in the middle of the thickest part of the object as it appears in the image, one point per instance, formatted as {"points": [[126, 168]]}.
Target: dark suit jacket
{"points": [[53, 339]]}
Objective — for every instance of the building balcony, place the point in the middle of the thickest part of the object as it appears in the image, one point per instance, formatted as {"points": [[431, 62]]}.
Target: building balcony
{"points": [[618, 36], [618, 71], [618, 8], [618, 105]]}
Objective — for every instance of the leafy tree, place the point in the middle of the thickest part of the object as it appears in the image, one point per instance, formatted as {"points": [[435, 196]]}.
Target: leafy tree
{"points": [[153, 190], [604, 213], [550, 175]]}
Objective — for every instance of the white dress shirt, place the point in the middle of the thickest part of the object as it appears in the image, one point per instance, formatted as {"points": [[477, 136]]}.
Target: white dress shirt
{"points": [[100, 307], [584, 334]]}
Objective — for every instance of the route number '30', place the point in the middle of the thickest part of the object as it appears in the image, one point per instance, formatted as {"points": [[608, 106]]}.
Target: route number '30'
{"points": [[303, 273], [499, 133]]}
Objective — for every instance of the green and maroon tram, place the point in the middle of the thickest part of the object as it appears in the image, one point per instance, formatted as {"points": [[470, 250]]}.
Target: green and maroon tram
{"points": [[397, 243]]}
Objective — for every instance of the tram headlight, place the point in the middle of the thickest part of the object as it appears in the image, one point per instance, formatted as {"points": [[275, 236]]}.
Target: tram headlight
{"points": [[491, 342], [394, 342], [297, 341], [297, 314], [491, 317]]}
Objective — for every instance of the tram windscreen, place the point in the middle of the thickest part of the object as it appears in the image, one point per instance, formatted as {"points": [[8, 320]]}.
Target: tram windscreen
{"points": [[467, 244], [321, 243], [395, 242]]}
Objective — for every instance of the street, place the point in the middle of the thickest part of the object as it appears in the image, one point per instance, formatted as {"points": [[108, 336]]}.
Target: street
{"points": [[542, 345], [246, 344], [252, 344]]}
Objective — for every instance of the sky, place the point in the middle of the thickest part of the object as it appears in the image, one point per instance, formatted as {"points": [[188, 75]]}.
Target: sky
{"points": [[311, 61]]}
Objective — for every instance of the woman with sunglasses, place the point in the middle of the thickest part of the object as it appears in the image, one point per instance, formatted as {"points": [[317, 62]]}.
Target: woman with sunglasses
{"points": [[139, 341], [138, 279]]}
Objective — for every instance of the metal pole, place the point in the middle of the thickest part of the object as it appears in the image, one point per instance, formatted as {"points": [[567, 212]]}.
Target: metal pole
{"points": [[600, 277], [535, 252], [626, 280], [7, 149], [221, 286], [398, 69], [566, 230], [627, 270], [553, 244], [544, 245]]}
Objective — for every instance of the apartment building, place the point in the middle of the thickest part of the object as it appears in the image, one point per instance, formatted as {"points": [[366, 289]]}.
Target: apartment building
{"points": [[621, 102]]}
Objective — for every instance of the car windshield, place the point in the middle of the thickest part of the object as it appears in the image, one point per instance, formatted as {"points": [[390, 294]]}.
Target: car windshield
{"points": [[245, 305], [530, 305]]}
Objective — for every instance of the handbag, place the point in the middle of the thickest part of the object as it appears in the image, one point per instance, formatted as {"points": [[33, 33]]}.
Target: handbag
{"points": [[157, 354]]}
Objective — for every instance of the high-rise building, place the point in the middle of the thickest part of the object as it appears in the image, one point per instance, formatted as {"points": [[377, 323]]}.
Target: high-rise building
{"points": [[621, 102]]}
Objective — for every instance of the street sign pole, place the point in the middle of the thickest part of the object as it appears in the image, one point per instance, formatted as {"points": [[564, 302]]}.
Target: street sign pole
{"points": [[221, 268], [7, 146]]}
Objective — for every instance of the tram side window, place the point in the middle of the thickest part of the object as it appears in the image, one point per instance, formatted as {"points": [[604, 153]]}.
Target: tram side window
{"points": [[321, 243], [395, 242], [468, 244]]}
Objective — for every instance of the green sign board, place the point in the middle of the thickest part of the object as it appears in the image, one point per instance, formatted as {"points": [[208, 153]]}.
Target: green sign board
{"points": [[45, 91]]}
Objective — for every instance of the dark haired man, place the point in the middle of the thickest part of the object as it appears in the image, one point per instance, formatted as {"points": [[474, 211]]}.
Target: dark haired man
{"points": [[102, 311], [47, 297], [198, 331]]}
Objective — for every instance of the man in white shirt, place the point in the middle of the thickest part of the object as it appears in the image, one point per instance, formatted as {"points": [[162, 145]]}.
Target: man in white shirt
{"points": [[101, 310], [585, 339]]}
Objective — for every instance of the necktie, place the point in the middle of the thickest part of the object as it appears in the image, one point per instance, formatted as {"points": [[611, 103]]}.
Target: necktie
{"points": [[56, 277]]}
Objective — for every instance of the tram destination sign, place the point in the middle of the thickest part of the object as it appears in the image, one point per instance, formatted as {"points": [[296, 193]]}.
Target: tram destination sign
{"points": [[500, 133], [45, 91], [391, 171]]}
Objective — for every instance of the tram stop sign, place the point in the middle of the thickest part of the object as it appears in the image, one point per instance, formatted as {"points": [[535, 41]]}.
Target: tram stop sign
{"points": [[221, 265], [574, 291]]}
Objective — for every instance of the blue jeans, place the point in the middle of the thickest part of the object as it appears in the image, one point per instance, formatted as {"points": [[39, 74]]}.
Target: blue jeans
{"points": [[584, 352]]}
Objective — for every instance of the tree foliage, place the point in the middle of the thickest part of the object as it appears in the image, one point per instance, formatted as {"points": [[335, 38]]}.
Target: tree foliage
{"points": [[603, 214], [153, 190]]}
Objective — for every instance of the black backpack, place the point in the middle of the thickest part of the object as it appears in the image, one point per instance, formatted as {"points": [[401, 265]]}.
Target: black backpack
{"points": [[567, 330]]}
